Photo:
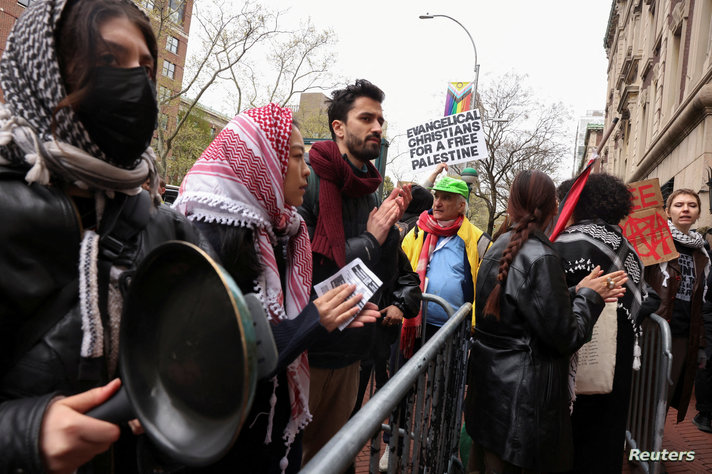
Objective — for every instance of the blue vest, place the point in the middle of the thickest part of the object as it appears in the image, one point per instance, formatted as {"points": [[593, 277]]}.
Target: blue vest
{"points": [[449, 277]]}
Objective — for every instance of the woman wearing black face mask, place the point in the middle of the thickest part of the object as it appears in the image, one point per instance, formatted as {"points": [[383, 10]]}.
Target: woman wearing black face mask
{"points": [[78, 77]]}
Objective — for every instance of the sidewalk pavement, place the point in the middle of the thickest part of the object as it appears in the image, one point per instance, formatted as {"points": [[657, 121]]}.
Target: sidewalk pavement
{"points": [[684, 436]]}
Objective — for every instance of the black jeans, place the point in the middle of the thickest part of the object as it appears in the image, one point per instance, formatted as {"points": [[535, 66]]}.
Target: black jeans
{"points": [[703, 389]]}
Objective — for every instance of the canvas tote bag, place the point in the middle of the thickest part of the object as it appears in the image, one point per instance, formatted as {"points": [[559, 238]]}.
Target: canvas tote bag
{"points": [[597, 358]]}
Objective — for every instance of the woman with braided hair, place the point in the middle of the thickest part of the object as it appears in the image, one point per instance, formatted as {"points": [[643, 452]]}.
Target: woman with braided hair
{"points": [[528, 323]]}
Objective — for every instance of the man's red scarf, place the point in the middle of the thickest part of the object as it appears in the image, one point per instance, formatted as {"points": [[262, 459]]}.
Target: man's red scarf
{"points": [[426, 223], [337, 177]]}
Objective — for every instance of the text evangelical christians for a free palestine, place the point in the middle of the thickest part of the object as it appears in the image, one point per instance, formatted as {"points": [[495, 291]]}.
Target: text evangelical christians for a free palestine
{"points": [[453, 138]]}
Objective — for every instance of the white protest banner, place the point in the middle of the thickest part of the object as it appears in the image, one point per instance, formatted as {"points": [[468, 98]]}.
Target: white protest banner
{"points": [[451, 139]]}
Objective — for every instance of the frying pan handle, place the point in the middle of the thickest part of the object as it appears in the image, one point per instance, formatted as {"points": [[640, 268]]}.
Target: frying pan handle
{"points": [[115, 410]]}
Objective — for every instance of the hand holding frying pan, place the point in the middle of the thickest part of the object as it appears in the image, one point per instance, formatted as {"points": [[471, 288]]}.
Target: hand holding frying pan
{"points": [[192, 349]]}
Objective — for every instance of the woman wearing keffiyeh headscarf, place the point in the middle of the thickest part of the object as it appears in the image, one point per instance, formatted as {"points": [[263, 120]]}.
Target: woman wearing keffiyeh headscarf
{"points": [[78, 77], [242, 194]]}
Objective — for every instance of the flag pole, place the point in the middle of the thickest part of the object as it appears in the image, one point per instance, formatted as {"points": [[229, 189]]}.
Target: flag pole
{"points": [[566, 208], [606, 134]]}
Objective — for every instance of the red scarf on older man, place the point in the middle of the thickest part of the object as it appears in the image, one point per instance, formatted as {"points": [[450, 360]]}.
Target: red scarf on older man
{"points": [[337, 177], [428, 224]]}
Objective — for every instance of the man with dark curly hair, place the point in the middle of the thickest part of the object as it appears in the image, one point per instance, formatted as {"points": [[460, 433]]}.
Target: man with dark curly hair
{"points": [[595, 238]]}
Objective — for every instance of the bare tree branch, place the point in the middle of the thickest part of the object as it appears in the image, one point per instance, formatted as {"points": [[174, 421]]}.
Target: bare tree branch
{"points": [[232, 39], [526, 135]]}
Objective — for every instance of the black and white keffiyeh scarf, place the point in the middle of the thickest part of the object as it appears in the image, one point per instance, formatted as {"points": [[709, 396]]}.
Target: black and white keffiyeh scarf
{"points": [[33, 87], [693, 240], [589, 243]]}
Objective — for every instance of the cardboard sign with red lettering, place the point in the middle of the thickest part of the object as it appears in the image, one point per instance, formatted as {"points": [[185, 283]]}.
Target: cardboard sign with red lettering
{"points": [[646, 194], [646, 227]]}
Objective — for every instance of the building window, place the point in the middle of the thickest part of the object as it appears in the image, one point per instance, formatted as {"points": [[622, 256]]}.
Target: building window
{"points": [[169, 69], [667, 188], [149, 5], [172, 44], [177, 7], [24, 3], [164, 94]]}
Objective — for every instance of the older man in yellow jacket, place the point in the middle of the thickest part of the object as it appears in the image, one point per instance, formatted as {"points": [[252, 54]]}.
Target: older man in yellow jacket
{"points": [[444, 248]]}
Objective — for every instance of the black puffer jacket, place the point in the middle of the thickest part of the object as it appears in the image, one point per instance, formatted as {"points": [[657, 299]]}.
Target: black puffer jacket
{"points": [[39, 250], [518, 398], [401, 286]]}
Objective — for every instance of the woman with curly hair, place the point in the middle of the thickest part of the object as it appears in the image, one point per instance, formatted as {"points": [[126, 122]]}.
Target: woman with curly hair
{"points": [[527, 328], [594, 239]]}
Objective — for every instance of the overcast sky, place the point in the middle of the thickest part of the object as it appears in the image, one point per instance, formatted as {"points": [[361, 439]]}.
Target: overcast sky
{"points": [[558, 43]]}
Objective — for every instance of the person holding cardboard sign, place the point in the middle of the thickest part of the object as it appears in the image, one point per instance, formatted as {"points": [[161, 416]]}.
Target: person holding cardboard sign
{"points": [[675, 292], [595, 239]]}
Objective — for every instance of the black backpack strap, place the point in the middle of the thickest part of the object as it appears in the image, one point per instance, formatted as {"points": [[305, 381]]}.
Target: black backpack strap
{"points": [[116, 235], [45, 319]]}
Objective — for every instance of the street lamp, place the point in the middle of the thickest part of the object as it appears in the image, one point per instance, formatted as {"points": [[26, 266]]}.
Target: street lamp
{"points": [[428, 16], [709, 186], [469, 176]]}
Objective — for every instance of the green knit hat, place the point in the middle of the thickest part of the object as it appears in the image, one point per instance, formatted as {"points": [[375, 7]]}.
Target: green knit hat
{"points": [[452, 185]]}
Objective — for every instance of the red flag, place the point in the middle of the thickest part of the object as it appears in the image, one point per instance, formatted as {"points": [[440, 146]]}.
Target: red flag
{"points": [[566, 208], [567, 205]]}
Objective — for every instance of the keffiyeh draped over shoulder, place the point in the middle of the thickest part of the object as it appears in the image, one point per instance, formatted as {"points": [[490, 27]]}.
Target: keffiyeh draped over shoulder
{"points": [[33, 86], [588, 243], [239, 181]]}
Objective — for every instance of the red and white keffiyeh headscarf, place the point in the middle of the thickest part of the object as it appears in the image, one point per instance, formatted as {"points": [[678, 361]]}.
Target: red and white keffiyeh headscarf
{"points": [[239, 181]]}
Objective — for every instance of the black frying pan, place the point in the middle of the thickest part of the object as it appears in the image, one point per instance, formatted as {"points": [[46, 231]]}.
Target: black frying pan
{"points": [[188, 355]]}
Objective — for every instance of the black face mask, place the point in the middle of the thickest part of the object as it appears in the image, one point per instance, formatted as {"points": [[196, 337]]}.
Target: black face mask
{"points": [[120, 113]]}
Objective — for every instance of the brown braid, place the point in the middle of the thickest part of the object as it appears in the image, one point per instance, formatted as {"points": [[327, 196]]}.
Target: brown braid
{"points": [[532, 202]]}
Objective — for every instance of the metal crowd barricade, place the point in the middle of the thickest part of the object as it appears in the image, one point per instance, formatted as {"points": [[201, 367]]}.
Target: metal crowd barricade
{"points": [[423, 404], [649, 390]]}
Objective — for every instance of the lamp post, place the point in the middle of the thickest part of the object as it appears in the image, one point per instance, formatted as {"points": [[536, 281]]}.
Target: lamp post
{"points": [[709, 186], [471, 177], [428, 16]]}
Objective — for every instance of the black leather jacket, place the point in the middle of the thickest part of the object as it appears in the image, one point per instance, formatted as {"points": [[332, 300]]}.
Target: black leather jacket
{"points": [[40, 236], [401, 285], [518, 396]]}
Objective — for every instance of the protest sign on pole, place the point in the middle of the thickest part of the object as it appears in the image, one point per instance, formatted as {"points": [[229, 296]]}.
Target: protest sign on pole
{"points": [[452, 139], [459, 97], [646, 227]]}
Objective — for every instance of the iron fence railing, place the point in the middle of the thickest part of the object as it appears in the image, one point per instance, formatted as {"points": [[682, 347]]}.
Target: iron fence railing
{"points": [[649, 390], [421, 406]]}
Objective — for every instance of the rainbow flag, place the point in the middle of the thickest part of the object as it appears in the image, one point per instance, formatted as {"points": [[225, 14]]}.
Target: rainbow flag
{"points": [[459, 97]]}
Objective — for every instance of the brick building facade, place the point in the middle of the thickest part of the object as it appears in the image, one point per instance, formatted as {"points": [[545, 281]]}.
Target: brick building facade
{"points": [[171, 20]]}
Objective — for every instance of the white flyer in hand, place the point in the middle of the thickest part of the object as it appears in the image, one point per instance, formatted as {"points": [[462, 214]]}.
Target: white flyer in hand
{"points": [[356, 273]]}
